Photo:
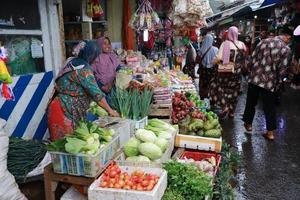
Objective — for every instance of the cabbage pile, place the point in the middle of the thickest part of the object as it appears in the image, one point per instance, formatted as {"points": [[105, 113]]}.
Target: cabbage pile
{"points": [[150, 143]]}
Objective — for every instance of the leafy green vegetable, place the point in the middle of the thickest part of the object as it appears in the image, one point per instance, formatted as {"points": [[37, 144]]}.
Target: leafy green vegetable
{"points": [[172, 195], [131, 148], [57, 146], [230, 161], [97, 110], [162, 144], [74, 145], [164, 126], [145, 136], [188, 180], [150, 150]]}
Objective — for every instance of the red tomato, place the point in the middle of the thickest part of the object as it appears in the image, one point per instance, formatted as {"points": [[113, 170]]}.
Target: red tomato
{"points": [[118, 186], [113, 180], [152, 182], [139, 188], [121, 183], [134, 187], [105, 178], [112, 174], [150, 187], [104, 184], [118, 171], [145, 183]]}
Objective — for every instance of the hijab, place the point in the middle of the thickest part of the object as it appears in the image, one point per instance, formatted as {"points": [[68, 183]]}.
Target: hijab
{"points": [[105, 65], [84, 53], [212, 52], [232, 36]]}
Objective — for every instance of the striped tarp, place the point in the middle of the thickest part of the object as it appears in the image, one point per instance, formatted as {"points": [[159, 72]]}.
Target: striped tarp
{"points": [[26, 116]]}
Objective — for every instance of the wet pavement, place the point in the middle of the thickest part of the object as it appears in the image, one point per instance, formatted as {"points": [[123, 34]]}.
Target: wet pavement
{"points": [[269, 170]]}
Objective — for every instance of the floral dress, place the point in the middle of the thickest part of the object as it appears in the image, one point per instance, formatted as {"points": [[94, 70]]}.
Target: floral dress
{"points": [[224, 88], [74, 92]]}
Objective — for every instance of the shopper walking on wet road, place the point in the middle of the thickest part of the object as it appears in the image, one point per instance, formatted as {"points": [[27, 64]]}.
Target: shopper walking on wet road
{"points": [[269, 66]]}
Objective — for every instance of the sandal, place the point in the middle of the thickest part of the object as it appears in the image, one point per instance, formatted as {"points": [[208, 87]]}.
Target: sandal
{"points": [[269, 135], [248, 127]]}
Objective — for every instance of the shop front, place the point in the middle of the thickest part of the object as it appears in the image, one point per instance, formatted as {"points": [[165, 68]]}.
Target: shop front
{"points": [[30, 32]]}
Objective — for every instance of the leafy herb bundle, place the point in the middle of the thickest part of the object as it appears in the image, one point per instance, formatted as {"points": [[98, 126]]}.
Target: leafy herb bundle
{"points": [[131, 104], [188, 180]]}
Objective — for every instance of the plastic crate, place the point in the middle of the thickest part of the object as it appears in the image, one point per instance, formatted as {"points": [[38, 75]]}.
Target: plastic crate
{"points": [[200, 155], [121, 158], [97, 193], [85, 165], [140, 124]]}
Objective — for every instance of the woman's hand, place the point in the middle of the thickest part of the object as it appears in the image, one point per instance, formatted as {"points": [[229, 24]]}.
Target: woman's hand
{"points": [[114, 113]]}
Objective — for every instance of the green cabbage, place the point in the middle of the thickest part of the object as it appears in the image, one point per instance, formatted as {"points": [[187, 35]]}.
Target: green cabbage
{"points": [[131, 147], [143, 159], [150, 150], [138, 159], [145, 136], [132, 159], [165, 135], [162, 144]]}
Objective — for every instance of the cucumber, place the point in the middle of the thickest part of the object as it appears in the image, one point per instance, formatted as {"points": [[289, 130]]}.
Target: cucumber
{"points": [[214, 133]]}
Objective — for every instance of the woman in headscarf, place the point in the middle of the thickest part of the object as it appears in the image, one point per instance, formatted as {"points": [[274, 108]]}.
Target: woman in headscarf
{"points": [[75, 87], [225, 87], [207, 53], [105, 65], [189, 67]]}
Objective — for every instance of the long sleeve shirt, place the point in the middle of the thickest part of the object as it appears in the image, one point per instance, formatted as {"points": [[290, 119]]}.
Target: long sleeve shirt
{"points": [[269, 63]]}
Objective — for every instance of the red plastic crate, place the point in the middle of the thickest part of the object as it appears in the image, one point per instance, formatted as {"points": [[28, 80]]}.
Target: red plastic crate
{"points": [[200, 155]]}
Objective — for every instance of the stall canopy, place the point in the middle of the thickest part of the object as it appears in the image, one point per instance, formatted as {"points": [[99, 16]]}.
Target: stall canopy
{"points": [[226, 8]]}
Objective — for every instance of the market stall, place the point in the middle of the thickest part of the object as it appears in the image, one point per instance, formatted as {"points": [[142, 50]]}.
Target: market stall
{"points": [[165, 135]]}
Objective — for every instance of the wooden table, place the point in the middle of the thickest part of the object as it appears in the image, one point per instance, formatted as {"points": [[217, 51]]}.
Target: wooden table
{"points": [[52, 179]]}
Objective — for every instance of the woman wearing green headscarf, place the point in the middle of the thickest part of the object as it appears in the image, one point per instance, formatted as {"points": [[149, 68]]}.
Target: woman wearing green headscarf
{"points": [[75, 88]]}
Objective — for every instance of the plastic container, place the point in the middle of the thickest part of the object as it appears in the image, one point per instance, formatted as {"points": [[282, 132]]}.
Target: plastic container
{"points": [[140, 124], [200, 155], [85, 165], [97, 193], [121, 158]]}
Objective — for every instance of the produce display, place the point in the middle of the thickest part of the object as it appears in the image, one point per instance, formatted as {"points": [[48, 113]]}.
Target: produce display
{"points": [[205, 165], [88, 139], [132, 104], [138, 180], [207, 126], [191, 120], [150, 143], [188, 180], [201, 104], [181, 107]]}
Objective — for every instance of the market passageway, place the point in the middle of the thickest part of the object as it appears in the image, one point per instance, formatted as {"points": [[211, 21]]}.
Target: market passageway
{"points": [[270, 170]]}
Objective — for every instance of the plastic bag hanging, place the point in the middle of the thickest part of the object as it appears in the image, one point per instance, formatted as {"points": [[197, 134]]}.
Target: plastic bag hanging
{"points": [[4, 75], [145, 18], [6, 92]]}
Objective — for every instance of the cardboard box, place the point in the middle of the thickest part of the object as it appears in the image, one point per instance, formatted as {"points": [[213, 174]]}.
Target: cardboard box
{"points": [[197, 142]]}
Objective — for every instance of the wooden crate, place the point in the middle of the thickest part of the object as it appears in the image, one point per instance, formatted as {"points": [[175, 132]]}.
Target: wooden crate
{"points": [[160, 111]]}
